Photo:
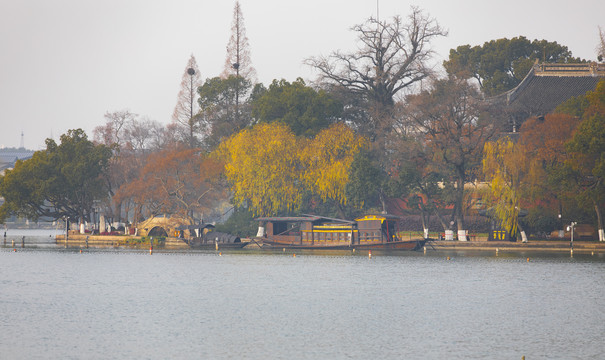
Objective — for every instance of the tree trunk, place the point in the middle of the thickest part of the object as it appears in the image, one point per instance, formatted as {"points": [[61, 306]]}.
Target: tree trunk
{"points": [[443, 223], [523, 235], [341, 210], [382, 201], [599, 221], [459, 207], [425, 216], [561, 228]]}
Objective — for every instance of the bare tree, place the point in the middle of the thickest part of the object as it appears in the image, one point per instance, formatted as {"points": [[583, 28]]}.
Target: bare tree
{"points": [[454, 125], [114, 130], [392, 57], [238, 61], [187, 107], [141, 135]]}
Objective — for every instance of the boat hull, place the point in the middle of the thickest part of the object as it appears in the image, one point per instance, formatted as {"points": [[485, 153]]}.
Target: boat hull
{"points": [[394, 245], [220, 246]]}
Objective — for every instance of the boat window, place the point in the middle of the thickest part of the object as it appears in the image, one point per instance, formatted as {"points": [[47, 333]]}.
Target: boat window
{"points": [[286, 228]]}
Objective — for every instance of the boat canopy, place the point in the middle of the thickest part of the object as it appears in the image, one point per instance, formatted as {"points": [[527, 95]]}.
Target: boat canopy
{"points": [[304, 218], [194, 227], [380, 217], [221, 238]]}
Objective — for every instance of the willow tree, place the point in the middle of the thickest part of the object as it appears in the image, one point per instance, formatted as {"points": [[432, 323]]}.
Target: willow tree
{"points": [[269, 168], [327, 160], [505, 167], [263, 168]]}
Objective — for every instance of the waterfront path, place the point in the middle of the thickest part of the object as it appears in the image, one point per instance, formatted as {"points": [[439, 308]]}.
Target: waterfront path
{"points": [[437, 245], [532, 245]]}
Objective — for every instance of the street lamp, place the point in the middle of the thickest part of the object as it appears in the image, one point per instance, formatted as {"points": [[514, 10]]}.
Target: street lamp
{"points": [[191, 72], [236, 67]]}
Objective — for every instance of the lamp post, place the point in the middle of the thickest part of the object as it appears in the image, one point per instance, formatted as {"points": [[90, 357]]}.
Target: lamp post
{"points": [[236, 67], [191, 72], [96, 212]]}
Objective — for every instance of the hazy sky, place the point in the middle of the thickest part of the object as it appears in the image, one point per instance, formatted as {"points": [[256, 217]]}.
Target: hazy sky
{"points": [[65, 63]]}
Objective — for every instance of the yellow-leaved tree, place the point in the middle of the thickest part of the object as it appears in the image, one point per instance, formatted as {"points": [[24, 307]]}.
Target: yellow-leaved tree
{"points": [[269, 168], [327, 161], [263, 167], [505, 165]]}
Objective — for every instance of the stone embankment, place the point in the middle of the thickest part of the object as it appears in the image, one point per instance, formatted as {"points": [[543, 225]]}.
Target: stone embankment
{"points": [[105, 241], [532, 245]]}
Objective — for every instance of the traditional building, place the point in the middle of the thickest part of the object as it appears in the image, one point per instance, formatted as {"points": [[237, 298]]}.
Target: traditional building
{"points": [[8, 157], [545, 87]]}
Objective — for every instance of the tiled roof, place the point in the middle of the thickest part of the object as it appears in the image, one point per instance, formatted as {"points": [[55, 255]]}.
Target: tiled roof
{"points": [[542, 94], [10, 156], [546, 86]]}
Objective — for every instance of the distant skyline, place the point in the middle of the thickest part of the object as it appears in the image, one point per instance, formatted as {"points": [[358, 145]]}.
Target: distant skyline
{"points": [[65, 63]]}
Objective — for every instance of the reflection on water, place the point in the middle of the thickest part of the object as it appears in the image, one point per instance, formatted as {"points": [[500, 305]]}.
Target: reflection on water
{"points": [[128, 304]]}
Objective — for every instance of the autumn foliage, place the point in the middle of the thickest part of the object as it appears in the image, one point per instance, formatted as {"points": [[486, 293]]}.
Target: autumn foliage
{"points": [[269, 168], [328, 160], [174, 181]]}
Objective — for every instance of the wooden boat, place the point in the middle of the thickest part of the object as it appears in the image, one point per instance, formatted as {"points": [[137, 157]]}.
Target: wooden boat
{"points": [[202, 237], [318, 232], [215, 240]]}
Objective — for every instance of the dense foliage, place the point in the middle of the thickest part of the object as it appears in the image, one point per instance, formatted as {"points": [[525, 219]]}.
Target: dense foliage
{"points": [[305, 110], [60, 182], [500, 65], [558, 164], [269, 168], [378, 131]]}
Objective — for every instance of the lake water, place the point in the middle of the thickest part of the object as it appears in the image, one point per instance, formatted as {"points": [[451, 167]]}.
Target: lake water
{"points": [[100, 304]]}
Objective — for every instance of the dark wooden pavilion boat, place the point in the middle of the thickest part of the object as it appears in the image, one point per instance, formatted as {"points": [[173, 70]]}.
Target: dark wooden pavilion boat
{"points": [[204, 238], [318, 232]]}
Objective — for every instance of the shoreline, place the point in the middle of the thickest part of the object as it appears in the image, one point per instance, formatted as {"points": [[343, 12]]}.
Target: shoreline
{"points": [[556, 246], [113, 241]]}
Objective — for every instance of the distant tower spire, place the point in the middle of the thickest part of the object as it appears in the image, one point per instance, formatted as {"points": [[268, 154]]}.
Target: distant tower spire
{"points": [[22, 144]]}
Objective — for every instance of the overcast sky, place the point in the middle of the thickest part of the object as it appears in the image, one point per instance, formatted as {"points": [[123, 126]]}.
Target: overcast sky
{"points": [[65, 63]]}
